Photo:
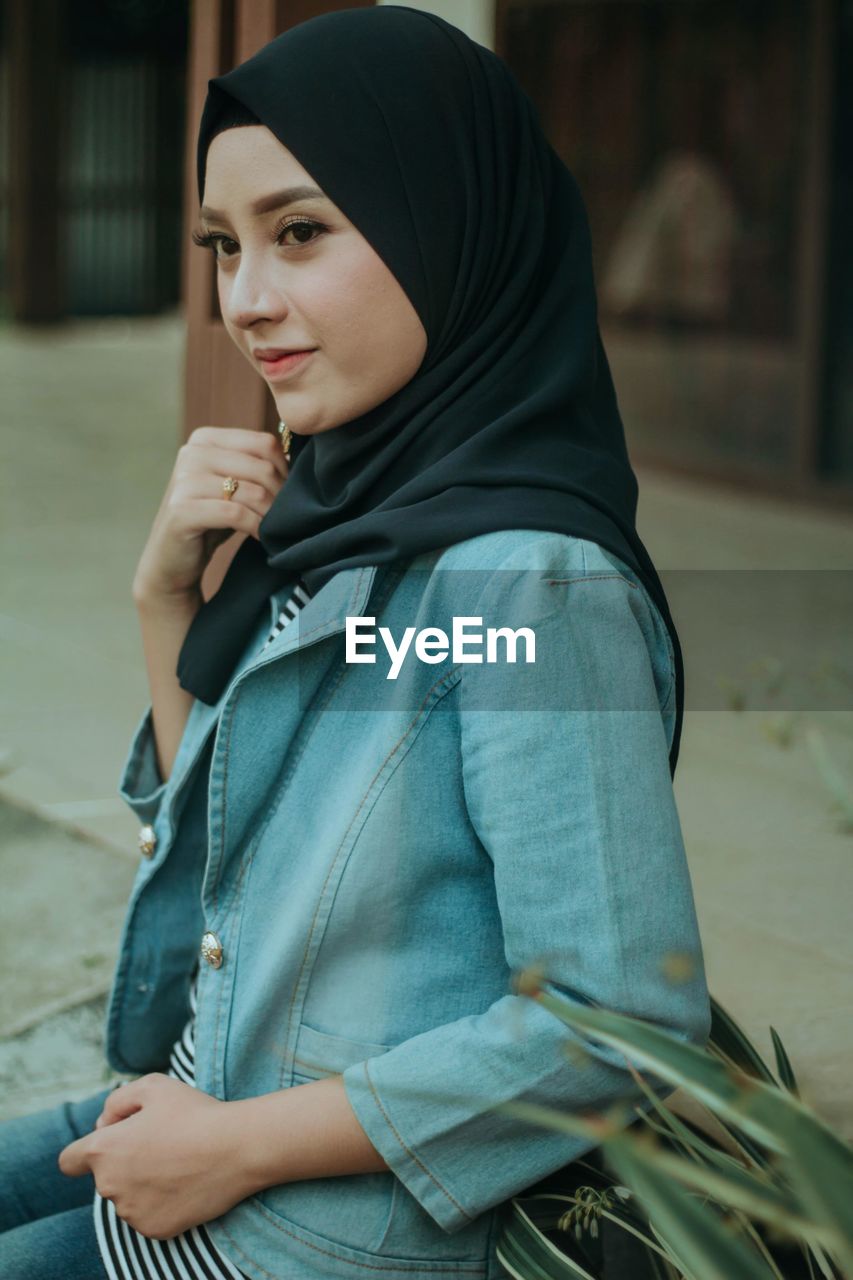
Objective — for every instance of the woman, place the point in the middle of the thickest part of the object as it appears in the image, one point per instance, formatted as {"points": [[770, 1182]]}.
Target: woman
{"points": [[356, 830]]}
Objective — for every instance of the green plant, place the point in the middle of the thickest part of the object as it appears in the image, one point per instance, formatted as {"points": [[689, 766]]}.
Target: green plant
{"points": [[776, 1201]]}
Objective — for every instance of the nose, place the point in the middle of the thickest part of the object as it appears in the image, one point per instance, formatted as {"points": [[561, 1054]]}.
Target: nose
{"points": [[252, 295]]}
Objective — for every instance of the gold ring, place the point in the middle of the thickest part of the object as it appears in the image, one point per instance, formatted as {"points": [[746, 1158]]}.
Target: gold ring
{"points": [[229, 487]]}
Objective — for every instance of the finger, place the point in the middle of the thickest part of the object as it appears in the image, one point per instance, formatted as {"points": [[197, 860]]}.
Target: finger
{"points": [[200, 505], [218, 513], [119, 1104], [261, 444], [75, 1159], [267, 473], [251, 495], [202, 460], [103, 1120]]}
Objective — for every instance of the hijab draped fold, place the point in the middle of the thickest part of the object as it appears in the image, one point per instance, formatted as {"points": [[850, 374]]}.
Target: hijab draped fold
{"points": [[427, 143]]}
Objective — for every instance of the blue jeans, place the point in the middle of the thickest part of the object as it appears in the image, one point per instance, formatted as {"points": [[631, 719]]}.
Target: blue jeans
{"points": [[47, 1226]]}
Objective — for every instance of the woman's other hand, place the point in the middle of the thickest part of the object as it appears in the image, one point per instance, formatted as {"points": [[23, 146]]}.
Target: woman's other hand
{"points": [[165, 1154], [195, 516]]}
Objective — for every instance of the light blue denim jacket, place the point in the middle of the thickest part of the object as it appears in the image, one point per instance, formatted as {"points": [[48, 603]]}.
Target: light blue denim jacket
{"points": [[378, 857]]}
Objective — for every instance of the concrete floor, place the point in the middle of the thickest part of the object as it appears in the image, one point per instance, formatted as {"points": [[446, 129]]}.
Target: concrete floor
{"points": [[90, 429]]}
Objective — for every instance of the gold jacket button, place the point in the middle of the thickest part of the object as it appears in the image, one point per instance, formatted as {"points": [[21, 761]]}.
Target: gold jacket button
{"points": [[147, 840], [211, 949]]}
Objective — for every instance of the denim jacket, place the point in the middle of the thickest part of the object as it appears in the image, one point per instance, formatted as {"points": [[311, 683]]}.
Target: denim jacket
{"points": [[374, 859]]}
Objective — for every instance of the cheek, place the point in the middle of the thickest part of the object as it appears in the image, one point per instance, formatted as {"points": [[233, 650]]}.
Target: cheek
{"points": [[363, 311], [223, 293]]}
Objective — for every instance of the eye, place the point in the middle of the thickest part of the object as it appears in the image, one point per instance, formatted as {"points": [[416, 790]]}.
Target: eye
{"points": [[211, 240], [219, 243], [289, 225]]}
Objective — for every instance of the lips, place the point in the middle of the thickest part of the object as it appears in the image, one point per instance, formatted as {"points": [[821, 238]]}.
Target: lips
{"points": [[288, 365], [275, 353]]}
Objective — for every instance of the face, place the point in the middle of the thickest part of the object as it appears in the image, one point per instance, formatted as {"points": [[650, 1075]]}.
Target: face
{"points": [[294, 273]]}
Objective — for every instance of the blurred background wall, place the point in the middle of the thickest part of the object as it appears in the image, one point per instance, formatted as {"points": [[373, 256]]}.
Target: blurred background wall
{"points": [[711, 142], [707, 136], [95, 94]]}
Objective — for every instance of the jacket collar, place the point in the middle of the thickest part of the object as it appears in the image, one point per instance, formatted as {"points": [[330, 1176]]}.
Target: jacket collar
{"points": [[325, 613]]}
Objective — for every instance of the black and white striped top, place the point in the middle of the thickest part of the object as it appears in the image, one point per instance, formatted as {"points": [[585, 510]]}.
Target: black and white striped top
{"points": [[192, 1255]]}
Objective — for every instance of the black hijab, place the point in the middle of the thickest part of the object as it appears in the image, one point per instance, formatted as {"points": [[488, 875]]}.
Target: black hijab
{"points": [[427, 143]]}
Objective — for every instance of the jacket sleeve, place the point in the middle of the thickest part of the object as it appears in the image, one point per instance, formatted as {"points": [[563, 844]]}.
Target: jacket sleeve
{"points": [[140, 784], [567, 784]]}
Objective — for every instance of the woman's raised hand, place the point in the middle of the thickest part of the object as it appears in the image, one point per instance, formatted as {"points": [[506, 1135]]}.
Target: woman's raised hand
{"points": [[195, 516]]}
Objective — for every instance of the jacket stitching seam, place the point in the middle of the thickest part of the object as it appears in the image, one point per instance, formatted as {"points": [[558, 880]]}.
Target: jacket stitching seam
{"points": [[409, 1151], [296, 755], [267, 819], [368, 1266], [333, 616], [224, 803], [282, 786], [652, 610], [592, 577], [352, 822], [220, 1001], [227, 750]]}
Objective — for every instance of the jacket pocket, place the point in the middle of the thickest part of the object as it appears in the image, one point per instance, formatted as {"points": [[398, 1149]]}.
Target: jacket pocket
{"points": [[369, 1219], [318, 1054], [352, 1210]]}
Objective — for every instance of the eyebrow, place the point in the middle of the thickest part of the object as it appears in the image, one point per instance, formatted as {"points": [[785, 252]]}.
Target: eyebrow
{"points": [[266, 204]]}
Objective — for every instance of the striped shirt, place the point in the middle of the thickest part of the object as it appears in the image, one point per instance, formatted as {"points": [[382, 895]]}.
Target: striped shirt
{"points": [[192, 1255]]}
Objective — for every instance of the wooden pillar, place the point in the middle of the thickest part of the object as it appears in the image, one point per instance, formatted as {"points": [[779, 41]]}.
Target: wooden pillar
{"points": [[37, 97]]}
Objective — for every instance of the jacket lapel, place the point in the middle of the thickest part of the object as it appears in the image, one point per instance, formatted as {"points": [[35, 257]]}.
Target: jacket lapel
{"points": [[323, 615]]}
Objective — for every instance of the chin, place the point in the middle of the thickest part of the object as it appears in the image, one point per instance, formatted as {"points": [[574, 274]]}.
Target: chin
{"points": [[303, 428]]}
